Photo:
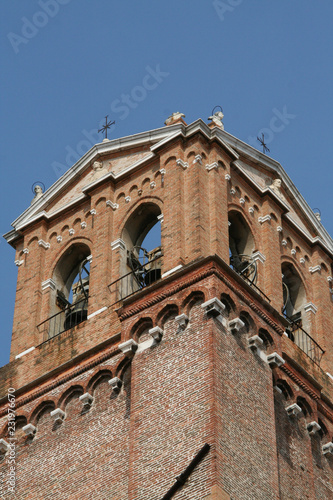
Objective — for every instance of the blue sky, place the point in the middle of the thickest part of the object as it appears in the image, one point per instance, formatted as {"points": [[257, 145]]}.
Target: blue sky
{"points": [[68, 63]]}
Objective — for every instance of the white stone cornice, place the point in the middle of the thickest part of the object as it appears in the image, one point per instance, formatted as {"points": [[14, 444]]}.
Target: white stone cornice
{"points": [[182, 163], [265, 218], [96, 313], [259, 256], [315, 269], [310, 308], [164, 275], [119, 243], [110, 203], [212, 166], [49, 283], [43, 244], [24, 352]]}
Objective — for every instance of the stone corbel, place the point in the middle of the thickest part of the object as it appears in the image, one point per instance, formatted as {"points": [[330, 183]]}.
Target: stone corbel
{"points": [[198, 159], [4, 446], [43, 244], [255, 343], [156, 333], [293, 410], [182, 163], [182, 321], [328, 449], [115, 384], [212, 166], [213, 308], [58, 415], [236, 325], [313, 428], [119, 243], [128, 348], [87, 399], [275, 360], [265, 218], [29, 429], [110, 203]]}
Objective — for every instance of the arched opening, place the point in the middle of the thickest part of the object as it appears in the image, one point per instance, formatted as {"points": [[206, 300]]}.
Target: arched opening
{"points": [[294, 297], [241, 247], [142, 238], [69, 301]]}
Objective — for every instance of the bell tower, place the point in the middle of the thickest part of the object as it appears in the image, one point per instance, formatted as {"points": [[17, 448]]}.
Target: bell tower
{"points": [[171, 328]]}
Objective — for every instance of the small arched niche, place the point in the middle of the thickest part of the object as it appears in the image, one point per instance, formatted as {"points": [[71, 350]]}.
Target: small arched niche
{"points": [[294, 296], [69, 301], [241, 247], [142, 238]]}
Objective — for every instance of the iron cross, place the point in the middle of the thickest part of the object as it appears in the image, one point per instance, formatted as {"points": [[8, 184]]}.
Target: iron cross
{"points": [[262, 142], [106, 126]]}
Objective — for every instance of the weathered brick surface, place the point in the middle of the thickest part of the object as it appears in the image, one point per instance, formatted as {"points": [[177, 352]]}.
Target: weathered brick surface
{"points": [[198, 385]]}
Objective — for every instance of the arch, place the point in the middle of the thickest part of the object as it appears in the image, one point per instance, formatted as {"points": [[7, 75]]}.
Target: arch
{"points": [[32, 240], [304, 405], [53, 236], [120, 197], [100, 200], [294, 293], [323, 429], [100, 376], [284, 388], [69, 394], [169, 160], [145, 182], [229, 304], [241, 246], [324, 267], [140, 327], [191, 154], [248, 321], [168, 312], [40, 410], [77, 222], [133, 190], [65, 228], [195, 297], [266, 337]]}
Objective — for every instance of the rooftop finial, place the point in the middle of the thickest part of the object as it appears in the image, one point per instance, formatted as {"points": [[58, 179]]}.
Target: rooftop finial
{"points": [[217, 117], [174, 118], [37, 189], [105, 127]]}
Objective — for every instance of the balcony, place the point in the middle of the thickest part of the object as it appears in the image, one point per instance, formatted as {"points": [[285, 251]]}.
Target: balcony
{"points": [[304, 341], [64, 320], [142, 275]]}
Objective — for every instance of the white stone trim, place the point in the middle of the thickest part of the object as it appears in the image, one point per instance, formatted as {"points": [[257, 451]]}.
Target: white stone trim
{"points": [[25, 250], [83, 225], [328, 448], [259, 256], [251, 210], [275, 360], [115, 384], [255, 343], [212, 166], [310, 308], [29, 429], [227, 177], [284, 243], [87, 399], [182, 321], [49, 283], [164, 275], [329, 279], [127, 199], [4, 446], [302, 260], [58, 415], [313, 428], [89, 258], [213, 307], [315, 269], [119, 243], [43, 244], [59, 239], [18, 263], [293, 251], [24, 352], [242, 201], [279, 229], [161, 218], [293, 410], [232, 191], [182, 163], [93, 211], [152, 185], [236, 325], [128, 348], [71, 232], [162, 171], [265, 218], [198, 159], [97, 312], [110, 203], [156, 333]]}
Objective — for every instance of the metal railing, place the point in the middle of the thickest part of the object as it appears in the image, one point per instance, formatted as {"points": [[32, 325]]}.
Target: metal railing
{"points": [[132, 282], [64, 320], [304, 341], [246, 267]]}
